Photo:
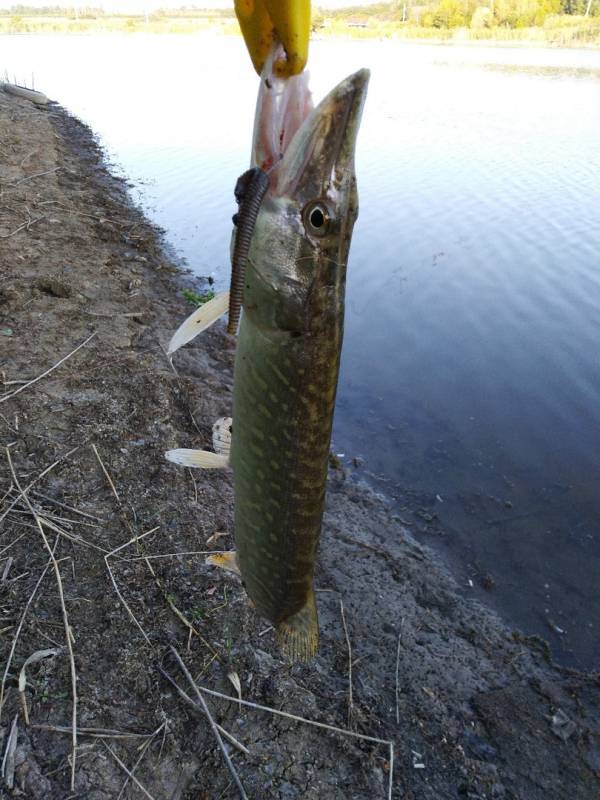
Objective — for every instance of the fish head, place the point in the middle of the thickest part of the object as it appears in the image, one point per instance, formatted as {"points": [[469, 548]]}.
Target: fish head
{"points": [[302, 235]]}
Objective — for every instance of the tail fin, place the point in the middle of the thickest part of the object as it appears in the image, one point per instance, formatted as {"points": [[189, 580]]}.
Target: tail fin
{"points": [[299, 635]]}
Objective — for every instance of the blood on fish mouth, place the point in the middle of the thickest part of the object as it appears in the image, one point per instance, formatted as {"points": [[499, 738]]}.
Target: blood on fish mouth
{"points": [[281, 107]]}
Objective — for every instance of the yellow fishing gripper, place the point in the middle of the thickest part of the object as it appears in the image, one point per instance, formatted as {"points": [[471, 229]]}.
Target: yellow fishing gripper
{"points": [[288, 20]]}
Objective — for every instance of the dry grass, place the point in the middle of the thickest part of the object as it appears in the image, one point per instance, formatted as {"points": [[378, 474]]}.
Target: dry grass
{"points": [[68, 633], [48, 371]]}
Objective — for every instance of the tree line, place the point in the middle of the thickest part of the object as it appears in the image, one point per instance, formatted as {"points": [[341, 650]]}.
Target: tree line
{"points": [[460, 13], [433, 14]]}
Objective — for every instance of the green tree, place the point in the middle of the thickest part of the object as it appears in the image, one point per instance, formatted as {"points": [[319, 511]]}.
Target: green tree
{"points": [[453, 13]]}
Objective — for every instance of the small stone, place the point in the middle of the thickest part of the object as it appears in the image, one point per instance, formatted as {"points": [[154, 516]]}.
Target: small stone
{"points": [[562, 726]]}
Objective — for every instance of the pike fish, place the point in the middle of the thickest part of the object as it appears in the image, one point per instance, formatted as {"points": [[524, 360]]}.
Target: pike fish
{"points": [[288, 349]]}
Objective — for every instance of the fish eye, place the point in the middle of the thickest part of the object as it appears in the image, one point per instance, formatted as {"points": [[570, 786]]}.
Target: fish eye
{"points": [[316, 218]]}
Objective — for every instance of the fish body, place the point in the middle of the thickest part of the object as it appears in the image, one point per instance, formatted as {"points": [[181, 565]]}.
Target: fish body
{"points": [[287, 363]]}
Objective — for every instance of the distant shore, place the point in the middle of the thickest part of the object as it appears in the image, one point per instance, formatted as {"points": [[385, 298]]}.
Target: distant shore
{"points": [[557, 31]]}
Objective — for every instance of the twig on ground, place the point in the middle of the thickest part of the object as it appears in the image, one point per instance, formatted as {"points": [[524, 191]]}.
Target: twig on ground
{"points": [[47, 522], [129, 314], [398, 671], [114, 582], [107, 476], [349, 646], [47, 372], [6, 569], [128, 771], [177, 375], [199, 708], [27, 157], [173, 607], [9, 426], [68, 523], [314, 723], [96, 733], [135, 538], [393, 562], [8, 762], [162, 744], [21, 524], [56, 502], [77, 539], [152, 556], [67, 627], [180, 616], [51, 640], [46, 514], [36, 480], [6, 493], [144, 748], [20, 625], [213, 725], [191, 474], [35, 175], [21, 227]]}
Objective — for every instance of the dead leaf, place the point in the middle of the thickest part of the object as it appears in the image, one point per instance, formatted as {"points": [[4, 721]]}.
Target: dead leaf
{"points": [[237, 685]]}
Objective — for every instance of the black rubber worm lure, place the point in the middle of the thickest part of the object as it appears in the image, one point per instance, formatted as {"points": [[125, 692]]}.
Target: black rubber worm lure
{"points": [[250, 190]]}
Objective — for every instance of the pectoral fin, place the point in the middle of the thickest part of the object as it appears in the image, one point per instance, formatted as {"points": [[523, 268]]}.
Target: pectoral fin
{"points": [[200, 459], [299, 635], [199, 321], [227, 560]]}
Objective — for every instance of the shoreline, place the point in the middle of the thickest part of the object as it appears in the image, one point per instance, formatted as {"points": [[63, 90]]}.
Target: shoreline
{"points": [[557, 38], [473, 709]]}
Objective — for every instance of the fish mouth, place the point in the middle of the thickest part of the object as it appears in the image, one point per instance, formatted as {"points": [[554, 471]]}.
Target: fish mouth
{"points": [[320, 158], [306, 149]]}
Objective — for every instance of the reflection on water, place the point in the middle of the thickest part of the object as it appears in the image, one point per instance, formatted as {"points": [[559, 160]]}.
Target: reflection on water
{"points": [[471, 368]]}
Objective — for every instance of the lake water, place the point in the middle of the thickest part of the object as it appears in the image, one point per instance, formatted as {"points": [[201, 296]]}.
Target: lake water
{"points": [[471, 366]]}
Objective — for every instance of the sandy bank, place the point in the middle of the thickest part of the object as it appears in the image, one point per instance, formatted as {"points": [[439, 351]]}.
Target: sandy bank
{"points": [[474, 710]]}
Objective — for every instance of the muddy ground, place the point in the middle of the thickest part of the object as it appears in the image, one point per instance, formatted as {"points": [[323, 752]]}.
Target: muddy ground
{"points": [[473, 709]]}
